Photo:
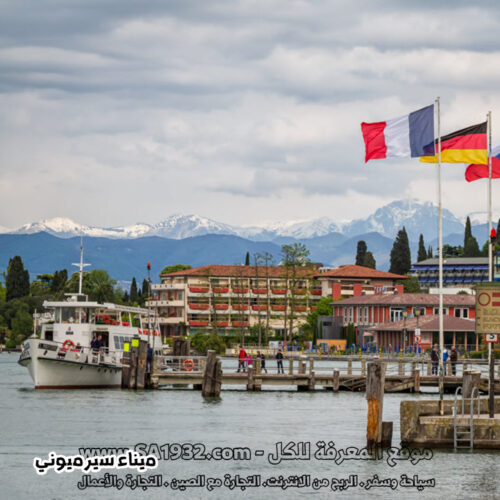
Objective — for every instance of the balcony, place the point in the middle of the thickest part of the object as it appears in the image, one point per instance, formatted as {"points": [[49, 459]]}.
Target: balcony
{"points": [[199, 306], [220, 290], [168, 286], [300, 291], [164, 303], [222, 323], [198, 289], [316, 291], [256, 308], [240, 323], [221, 307], [277, 308], [240, 290], [239, 307], [300, 308], [259, 291], [198, 323], [278, 291], [170, 320]]}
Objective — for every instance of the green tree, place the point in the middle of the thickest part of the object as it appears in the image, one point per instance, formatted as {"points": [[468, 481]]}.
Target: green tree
{"points": [[247, 259], [430, 253], [97, 284], [59, 281], [351, 335], [22, 323], [471, 247], [17, 280], [411, 285], [295, 256], [361, 253], [145, 289], [174, 268], [422, 254], [370, 261], [400, 254], [452, 251], [323, 308], [133, 292]]}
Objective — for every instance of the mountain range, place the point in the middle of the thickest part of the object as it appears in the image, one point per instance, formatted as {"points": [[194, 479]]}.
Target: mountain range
{"points": [[53, 244]]}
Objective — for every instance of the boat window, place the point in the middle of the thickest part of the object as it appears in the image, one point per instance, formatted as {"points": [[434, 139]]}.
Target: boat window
{"points": [[69, 315], [57, 315], [49, 335]]}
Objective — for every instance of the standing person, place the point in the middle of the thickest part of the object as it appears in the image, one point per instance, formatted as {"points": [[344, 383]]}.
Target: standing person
{"points": [[453, 359], [445, 359], [262, 361], [242, 356], [149, 360], [435, 359], [93, 343], [279, 359]]}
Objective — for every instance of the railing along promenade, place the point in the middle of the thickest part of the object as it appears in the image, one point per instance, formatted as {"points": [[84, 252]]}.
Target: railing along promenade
{"points": [[308, 373]]}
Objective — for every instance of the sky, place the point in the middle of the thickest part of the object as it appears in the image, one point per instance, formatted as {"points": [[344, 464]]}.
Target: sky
{"points": [[115, 111]]}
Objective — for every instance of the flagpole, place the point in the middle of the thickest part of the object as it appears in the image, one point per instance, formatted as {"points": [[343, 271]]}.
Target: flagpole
{"points": [[490, 221], [440, 255]]}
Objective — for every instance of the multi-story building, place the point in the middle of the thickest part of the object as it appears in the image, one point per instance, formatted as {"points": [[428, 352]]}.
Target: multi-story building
{"points": [[229, 298], [367, 311], [458, 272]]}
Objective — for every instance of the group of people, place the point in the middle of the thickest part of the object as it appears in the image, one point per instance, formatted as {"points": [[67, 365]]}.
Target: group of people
{"points": [[96, 343], [244, 360], [452, 355]]}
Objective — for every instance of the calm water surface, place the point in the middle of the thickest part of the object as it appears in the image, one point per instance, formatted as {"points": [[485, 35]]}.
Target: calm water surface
{"points": [[33, 423]]}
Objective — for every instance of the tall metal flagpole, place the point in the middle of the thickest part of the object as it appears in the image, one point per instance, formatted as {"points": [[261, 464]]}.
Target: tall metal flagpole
{"points": [[491, 361], [440, 254]]}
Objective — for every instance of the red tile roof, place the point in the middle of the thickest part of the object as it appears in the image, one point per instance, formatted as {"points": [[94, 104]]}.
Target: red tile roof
{"points": [[428, 323], [215, 270], [409, 299], [360, 272]]}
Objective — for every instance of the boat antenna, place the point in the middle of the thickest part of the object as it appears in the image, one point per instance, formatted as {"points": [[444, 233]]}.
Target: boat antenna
{"points": [[80, 265]]}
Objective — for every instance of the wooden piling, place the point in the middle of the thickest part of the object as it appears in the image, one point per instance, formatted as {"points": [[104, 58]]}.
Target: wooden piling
{"points": [[311, 366], [416, 380], [375, 380], [471, 379], [312, 382], [142, 354], [336, 380], [258, 369], [363, 367], [302, 367], [429, 365], [251, 378], [290, 366], [125, 369], [132, 372], [212, 376], [386, 441], [401, 368], [349, 367]]}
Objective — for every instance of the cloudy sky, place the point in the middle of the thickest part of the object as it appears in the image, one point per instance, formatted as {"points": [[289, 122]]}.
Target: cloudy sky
{"points": [[117, 111]]}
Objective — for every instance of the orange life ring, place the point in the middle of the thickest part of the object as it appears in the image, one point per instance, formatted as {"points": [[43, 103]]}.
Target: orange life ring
{"points": [[67, 344], [188, 365]]}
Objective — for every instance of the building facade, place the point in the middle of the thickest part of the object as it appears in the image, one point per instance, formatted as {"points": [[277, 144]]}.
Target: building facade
{"points": [[367, 311], [229, 299]]}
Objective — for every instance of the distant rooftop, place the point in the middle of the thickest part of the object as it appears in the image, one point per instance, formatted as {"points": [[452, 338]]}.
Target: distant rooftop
{"points": [[428, 323], [454, 261], [353, 271], [409, 299]]}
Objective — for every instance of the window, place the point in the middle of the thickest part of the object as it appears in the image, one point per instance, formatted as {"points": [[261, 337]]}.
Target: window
{"points": [[396, 314], [461, 312], [419, 310], [349, 314], [365, 315], [436, 311]]}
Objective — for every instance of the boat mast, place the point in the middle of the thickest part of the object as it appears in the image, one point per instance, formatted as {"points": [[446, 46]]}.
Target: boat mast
{"points": [[80, 265]]}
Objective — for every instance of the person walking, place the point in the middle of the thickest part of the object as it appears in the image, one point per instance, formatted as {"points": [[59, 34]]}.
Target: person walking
{"points": [[445, 359], [279, 359], [435, 359], [453, 359], [242, 357], [262, 361]]}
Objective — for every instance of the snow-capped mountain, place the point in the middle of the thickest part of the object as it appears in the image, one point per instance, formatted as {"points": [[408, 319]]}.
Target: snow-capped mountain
{"points": [[418, 218]]}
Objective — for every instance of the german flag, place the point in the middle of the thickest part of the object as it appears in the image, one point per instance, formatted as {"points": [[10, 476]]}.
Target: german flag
{"points": [[468, 145]]}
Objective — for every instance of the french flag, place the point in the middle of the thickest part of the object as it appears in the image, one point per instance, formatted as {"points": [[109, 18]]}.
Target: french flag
{"points": [[402, 137], [475, 172]]}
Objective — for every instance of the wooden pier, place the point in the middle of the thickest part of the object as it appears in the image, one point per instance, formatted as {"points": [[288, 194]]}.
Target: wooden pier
{"points": [[400, 376]]}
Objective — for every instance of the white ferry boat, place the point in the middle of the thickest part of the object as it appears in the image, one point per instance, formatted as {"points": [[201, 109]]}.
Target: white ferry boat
{"points": [[63, 358]]}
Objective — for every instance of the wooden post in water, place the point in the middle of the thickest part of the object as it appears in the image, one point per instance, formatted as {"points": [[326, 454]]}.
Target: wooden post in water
{"points": [[258, 368], [363, 367], [212, 376], [302, 367], [290, 366], [349, 366], [251, 378], [401, 368], [132, 373], [470, 379], [311, 366], [375, 380], [312, 381], [336, 380], [429, 363], [386, 435], [416, 380], [141, 364], [126, 365]]}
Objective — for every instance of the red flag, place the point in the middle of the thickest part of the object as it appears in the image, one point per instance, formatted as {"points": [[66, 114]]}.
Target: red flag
{"points": [[475, 172]]}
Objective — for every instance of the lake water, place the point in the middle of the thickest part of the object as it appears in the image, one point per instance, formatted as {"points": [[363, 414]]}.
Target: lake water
{"points": [[34, 423]]}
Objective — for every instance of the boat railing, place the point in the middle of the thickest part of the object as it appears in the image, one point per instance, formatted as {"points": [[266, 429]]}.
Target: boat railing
{"points": [[64, 351], [194, 364]]}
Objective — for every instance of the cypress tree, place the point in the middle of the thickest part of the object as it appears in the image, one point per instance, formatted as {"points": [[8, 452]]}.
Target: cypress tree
{"points": [[422, 254], [370, 261], [133, 291], [471, 247], [430, 253], [361, 253], [400, 254], [17, 280], [145, 289], [247, 259], [468, 231]]}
